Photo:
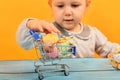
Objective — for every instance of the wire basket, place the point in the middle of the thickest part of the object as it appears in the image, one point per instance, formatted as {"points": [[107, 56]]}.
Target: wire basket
{"points": [[58, 51], [50, 53], [114, 59]]}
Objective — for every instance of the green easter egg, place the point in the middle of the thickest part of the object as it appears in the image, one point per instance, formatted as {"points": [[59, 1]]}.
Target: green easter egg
{"points": [[63, 48]]}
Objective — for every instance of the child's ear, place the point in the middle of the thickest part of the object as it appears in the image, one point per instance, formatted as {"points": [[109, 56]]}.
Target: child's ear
{"points": [[88, 3], [49, 2]]}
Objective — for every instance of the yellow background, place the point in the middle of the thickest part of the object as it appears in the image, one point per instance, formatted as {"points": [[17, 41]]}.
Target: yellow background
{"points": [[104, 14]]}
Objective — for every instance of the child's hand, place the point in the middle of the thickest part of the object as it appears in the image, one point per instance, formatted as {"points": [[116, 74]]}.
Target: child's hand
{"points": [[42, 26]]}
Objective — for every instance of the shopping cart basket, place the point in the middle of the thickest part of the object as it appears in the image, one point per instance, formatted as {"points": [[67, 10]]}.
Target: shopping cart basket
{"points": [[50, 53]]}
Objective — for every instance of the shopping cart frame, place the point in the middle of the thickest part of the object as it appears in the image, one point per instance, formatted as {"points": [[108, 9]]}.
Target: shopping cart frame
{"points": [[59, 66]]}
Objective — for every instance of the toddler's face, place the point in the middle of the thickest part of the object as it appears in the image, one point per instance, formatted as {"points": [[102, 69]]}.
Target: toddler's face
{"points": [[68, 13]]}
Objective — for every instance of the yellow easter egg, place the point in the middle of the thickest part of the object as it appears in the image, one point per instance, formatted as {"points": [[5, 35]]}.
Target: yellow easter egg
{"points": [[50, 38]]}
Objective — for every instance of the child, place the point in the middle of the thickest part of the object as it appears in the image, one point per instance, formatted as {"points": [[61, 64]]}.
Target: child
{"points": [[68, 15]]}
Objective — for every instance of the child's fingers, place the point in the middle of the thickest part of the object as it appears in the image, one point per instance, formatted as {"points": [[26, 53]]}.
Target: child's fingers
{"points": [[45, 25], [34, 24], [42, 26], [54, 29], [48, 27]]}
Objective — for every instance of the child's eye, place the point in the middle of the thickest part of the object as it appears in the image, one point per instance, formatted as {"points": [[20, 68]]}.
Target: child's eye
{"points": [[60, 6], [75, 5]]}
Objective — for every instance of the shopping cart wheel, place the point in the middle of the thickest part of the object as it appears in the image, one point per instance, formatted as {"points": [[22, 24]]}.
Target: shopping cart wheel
{"points": [[40, 77], [66, 71], [36, 71], [36, 68]]}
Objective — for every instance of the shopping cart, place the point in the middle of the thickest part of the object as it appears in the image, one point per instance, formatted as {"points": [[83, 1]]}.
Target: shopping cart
{"points": [[52, 55]]}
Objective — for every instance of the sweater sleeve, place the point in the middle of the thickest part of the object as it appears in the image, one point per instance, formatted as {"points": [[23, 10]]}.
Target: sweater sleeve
{"points": [[23, 37], [103, 47]]}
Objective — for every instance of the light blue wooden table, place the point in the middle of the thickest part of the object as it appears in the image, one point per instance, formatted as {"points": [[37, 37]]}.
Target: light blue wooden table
{"points": [[80, 69]]}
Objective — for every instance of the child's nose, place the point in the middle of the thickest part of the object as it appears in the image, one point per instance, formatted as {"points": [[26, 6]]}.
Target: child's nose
{"points": [[68, 11]]}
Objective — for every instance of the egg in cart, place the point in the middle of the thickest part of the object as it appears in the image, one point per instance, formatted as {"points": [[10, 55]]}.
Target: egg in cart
{"points": [[51, 54]]}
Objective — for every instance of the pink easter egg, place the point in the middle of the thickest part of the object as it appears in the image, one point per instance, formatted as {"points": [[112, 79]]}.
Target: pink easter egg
{"points": [[53, 53]]}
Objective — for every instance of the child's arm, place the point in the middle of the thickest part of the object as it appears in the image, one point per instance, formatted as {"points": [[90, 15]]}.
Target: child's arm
{"points": [[103, 46], [23, 36]]}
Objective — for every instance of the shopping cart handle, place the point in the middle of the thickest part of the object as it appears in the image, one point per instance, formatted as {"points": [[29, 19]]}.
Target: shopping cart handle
{"points": [[74, 50], [34, 34]]}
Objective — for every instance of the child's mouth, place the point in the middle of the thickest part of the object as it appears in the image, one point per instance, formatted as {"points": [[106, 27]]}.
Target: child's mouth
{"points": [[68, 20]]}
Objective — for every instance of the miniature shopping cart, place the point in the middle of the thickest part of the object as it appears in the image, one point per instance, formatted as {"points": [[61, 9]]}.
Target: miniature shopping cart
{"points": [[51, 56]]}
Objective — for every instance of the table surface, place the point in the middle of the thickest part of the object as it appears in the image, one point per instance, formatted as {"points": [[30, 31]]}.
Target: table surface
{"points": [[80, 69]]}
